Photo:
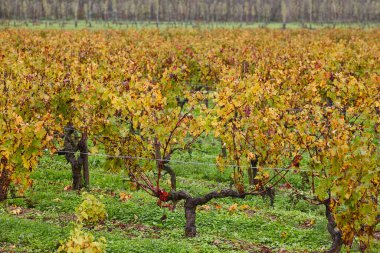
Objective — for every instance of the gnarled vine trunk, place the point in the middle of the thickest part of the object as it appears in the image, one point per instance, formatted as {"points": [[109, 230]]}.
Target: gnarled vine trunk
{"points": [[173, 178], [336, 234], [4, 185], [72, 145], [190, 214], [83, 148], [191, 204], [76, 168], [252, 172]]}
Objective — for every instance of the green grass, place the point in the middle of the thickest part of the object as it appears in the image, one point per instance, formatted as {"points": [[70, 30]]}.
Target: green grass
{"points": [[135, 225], [99, 25]]}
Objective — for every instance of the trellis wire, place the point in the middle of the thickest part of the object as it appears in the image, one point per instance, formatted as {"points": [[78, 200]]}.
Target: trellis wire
{"points": [[185, 162]]}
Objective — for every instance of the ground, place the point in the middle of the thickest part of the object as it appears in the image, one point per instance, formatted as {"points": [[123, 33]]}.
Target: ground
{"points": [[44, 218], [95, 25]]}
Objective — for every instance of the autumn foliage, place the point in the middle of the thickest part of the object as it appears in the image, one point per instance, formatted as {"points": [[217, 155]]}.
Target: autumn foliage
{"points": [[274, 99]]}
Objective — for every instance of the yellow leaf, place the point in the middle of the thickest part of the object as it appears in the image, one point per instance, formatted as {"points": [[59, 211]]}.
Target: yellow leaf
{"points": [[16, 211], [244, 207], [124, 196], [233, 208]]}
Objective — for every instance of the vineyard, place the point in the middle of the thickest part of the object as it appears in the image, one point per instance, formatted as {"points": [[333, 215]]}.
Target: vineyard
{"points": [[190, 140]]}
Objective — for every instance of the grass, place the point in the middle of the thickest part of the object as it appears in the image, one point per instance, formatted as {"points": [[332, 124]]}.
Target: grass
{"points": [[47, 214], [99, 25]]}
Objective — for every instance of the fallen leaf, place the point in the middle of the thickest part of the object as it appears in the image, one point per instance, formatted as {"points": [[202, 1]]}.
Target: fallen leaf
{"points": [[244, 207], [217, 206], [68, 188], [308, 223], [124, 196], [205, 207], [233, 208], [16, 211]]}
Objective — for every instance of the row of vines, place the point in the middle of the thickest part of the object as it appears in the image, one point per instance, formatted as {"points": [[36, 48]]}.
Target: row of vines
{"points": [[305, 102]]}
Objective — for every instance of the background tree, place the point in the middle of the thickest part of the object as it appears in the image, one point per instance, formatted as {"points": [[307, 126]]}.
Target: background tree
{"points": [[322, 11], [284, 13], [76, 11]]}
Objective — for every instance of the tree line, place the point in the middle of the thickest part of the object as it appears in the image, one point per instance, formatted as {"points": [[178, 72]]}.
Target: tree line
{"points": [[243, 11]]}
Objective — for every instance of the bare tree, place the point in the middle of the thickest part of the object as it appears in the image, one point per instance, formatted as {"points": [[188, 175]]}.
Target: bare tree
{"points": [[284, 13], [265, 11]]}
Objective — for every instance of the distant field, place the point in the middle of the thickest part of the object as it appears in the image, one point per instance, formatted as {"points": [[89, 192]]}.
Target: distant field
{"points": [[70, 24]]}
